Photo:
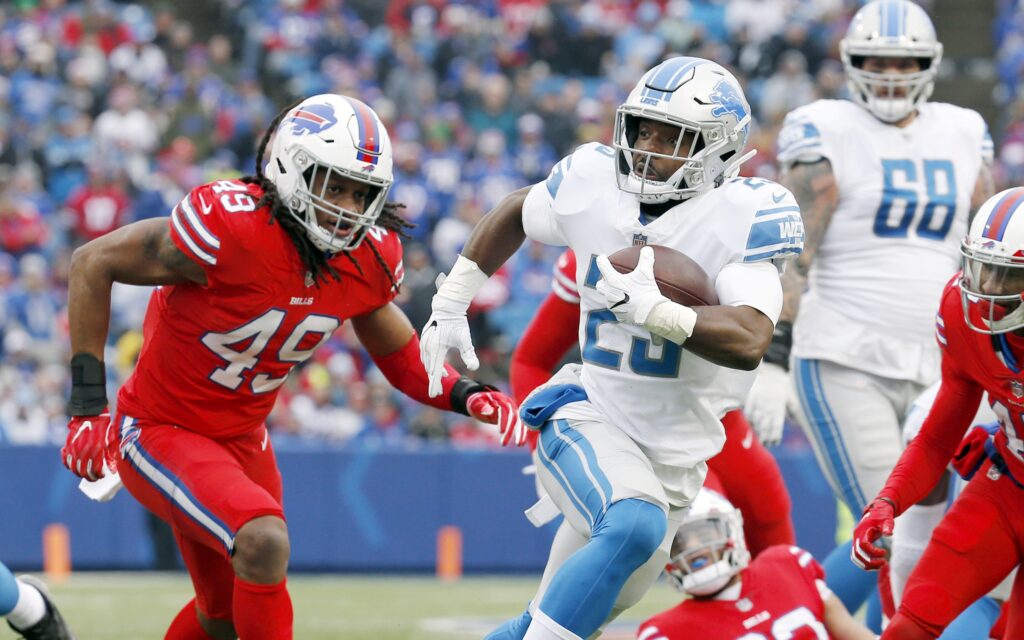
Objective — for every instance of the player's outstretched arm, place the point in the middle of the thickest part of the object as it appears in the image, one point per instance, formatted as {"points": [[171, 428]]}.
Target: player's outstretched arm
{"points": [[141, 253], [388, 336], [490, 244], [551, 333], [840, 624]]}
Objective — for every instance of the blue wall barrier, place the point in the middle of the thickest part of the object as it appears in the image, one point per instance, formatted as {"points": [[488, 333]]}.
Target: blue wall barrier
{"points": [[360, 508]]}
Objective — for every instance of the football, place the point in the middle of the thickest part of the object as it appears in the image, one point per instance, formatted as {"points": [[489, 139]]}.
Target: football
{"points": [[679, 278]]}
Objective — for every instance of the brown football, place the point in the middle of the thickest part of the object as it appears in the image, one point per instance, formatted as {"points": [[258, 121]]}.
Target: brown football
{"points": [[679, 278]]}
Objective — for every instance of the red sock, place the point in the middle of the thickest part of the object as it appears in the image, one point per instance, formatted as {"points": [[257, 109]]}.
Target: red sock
{"points": [[262, 611], [186, 625]]}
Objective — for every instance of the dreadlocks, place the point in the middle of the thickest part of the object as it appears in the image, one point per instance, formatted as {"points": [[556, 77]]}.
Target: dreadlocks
{"points": [[316, 261]]}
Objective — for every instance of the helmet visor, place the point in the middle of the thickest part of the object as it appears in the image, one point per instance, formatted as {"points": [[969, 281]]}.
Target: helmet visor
{"points": [[332, 227], [992, 289]]}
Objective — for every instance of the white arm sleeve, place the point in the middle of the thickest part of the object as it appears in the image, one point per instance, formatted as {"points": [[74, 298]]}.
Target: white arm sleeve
{"points": [[539, 221], [754, 284]]}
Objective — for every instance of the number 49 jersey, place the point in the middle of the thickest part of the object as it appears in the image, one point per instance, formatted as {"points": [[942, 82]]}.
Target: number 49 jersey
{"points": [[894, 238], [214, 356], [666, 398], [781, 597]]}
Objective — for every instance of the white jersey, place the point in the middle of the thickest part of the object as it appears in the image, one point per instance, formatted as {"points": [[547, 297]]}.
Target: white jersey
{"points": [[894, 239], [666, 398]]}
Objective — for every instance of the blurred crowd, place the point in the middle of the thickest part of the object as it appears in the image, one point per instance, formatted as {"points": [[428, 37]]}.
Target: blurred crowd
{"points": [[110, 112]]}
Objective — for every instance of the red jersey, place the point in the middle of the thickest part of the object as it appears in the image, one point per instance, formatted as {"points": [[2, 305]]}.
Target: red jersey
{"points": [[214, 356], [973, 362], [780, 597]]}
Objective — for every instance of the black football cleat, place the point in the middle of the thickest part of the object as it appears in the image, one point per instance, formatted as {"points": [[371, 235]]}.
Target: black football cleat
{"points": [[52, 626]]}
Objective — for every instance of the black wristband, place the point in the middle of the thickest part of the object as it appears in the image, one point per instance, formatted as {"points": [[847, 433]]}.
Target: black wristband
{"points": [[463, 388], [88, 386], [782, 342]]}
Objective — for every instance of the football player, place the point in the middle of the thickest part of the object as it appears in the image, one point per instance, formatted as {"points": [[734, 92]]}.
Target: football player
{"points": [[623, 438], [748, 474], [980, 328], [254, 275], [781, 594], [914, 528], [26, 604], [886, 182]]}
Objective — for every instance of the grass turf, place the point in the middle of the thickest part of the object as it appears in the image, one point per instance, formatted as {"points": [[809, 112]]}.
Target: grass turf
{"points": [[139, 606]]}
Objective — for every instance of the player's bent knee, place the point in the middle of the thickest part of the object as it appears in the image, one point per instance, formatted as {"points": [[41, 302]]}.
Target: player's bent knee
{"points": [[635, 529], [262, 550]]}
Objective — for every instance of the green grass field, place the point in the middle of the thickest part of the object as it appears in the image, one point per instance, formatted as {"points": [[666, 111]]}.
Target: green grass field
{"points": [[139, 606]]}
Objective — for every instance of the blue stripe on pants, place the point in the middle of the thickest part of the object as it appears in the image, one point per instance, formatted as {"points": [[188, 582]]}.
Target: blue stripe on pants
{"points": [[825, 431], [567, 455]]}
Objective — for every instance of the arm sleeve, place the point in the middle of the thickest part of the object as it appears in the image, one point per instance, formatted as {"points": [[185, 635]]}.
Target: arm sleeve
{"points": [[405, 372], [926, 457], [198, 235], [801, 140], [539, 220], [754, 284]]}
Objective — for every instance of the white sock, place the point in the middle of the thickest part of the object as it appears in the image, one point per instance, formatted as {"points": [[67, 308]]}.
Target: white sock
{"points": [[544, 628], [30, 608]]}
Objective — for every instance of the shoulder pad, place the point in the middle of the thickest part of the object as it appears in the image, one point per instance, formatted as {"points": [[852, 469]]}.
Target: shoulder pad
{"points": [[573, 178]]}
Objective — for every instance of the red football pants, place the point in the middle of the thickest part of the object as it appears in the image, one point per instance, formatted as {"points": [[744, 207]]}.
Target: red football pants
{"points": [[753, 483], [978, 542], [206, 490]]}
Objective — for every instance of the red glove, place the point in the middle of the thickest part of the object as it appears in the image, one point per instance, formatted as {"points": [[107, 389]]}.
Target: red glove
{"points": [[494, 407], [876, 522], [88, 443], [971, 454]]}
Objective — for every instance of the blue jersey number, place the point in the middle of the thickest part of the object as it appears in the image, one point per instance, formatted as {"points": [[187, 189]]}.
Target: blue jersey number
{"points": [[900, 197], [640, 360]]}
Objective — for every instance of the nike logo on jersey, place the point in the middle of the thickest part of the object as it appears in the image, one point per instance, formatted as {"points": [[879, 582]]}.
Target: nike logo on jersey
{"points": [[301, 301], [778, 198], [208, 207], [266, 434], [620, 302], [749, 440]]}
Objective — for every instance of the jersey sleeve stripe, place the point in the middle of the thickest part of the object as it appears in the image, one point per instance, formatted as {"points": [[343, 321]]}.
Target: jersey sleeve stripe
{"points": [[768, 212], [193, 221], [569, 295], [565, 281], [182, 233]]}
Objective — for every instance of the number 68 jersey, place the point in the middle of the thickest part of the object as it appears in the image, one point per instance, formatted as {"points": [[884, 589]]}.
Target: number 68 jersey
{"points": [[214, 356], [894, 238], [664, 397]]}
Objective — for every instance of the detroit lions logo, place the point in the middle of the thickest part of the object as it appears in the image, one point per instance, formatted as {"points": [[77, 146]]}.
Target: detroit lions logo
{"points": [[726, 99], [312, 118]]}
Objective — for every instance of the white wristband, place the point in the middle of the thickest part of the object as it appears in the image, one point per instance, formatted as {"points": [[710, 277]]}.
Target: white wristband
{"points": [[456, 290], [671, 321]]}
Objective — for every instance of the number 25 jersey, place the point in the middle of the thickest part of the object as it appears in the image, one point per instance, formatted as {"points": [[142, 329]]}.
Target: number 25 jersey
{"points": [[214, 356]]}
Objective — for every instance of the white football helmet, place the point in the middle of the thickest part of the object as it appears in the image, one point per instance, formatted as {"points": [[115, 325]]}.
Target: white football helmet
{"points": [[699, 96], [325, 135], [708, 548], [890, 29], [993, 254]]}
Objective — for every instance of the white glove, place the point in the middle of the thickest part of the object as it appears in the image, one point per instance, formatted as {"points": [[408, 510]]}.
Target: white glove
{"points": [[766, 403], [630, 296], [447, 328]]}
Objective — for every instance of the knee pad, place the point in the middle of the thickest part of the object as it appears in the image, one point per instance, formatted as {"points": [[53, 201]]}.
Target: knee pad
{"points": [[635, 528]]}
